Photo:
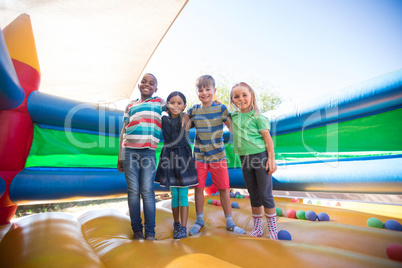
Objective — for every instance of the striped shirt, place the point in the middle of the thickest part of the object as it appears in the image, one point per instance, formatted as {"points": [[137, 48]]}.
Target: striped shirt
{"points": [[208, 121], [143, 130]]}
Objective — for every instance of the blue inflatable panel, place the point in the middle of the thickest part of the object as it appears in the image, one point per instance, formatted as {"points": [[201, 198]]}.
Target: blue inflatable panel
{"points": [[373, 96], [62, 183], [11, 92], [36, 184], [69, 114], [3, 187], [381, 176]]}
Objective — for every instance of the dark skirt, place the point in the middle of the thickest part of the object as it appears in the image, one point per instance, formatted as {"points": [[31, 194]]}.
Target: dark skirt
{"points": [[176, 167]]}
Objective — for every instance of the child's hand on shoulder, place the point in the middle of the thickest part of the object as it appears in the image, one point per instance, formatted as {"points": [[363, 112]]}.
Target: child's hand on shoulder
{"points": [[186, 122]]}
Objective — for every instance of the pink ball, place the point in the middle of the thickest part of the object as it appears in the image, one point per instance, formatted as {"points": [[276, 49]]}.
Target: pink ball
{"points": [[218, 203], [295, 200], [291, 213], [394, 252], [214, 202]]}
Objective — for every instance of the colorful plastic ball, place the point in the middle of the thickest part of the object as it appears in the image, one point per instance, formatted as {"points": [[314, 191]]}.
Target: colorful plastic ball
{"points": [[322, 216], [247, 196], [237, 196], [219, 203], [295, 200], [291, 213], [214, 202], [301, 214], [235, 205], [237, 193], [232, 195], [393, 225], [209, 201], [310, 215], [212, 194], [376, 223], [284, 235], [394, 252], [241, 196], [278, 211]]}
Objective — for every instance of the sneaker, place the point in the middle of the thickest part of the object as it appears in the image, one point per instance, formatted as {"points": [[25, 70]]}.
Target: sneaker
{"points": [[176, 229], [138, 235], [150, 237], [182, 232]]}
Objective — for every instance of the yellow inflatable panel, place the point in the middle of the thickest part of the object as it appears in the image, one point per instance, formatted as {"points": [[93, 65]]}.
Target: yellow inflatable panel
{"points": [[21, 42], [103, 238]]}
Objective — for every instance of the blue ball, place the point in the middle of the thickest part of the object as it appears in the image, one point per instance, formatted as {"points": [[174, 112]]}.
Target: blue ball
{"points": [[310, 215], [237, 193], [232, 195], [235, 205], [284, 235], [393, 225], [322, 216]]}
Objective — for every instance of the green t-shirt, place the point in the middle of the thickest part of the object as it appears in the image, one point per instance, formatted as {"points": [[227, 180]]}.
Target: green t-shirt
{"points": [[247, 133]]}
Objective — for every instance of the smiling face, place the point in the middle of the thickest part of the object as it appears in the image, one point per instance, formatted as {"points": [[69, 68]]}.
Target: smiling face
{"points": [[242, 98], [206, 95], [147, 86], [176, 106]]}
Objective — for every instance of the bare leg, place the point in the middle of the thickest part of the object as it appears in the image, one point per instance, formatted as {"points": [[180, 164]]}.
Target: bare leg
{"points": [[199, 200], [175, 212], [258, 210], [224, 196], [184, 216]]}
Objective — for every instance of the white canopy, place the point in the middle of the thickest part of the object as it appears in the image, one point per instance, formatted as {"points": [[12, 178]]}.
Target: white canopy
{"points": [[94, 50]]}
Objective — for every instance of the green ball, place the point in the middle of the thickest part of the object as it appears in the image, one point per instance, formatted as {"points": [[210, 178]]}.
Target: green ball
{"points": [[301, 214], [241, 196], [376, 223], [278, 211], [209, 201]]}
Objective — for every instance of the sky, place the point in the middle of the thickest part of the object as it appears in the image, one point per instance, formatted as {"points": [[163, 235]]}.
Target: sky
{"points": [[300, 49]]}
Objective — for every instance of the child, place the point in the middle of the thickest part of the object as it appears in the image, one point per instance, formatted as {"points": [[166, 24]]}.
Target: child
{"points": [[254, 144], [209, 151], [139, 138], [176, 165]]}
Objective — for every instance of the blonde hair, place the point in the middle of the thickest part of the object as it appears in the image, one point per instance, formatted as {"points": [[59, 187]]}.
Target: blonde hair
{"points": [[253, 105], [205, 81]]}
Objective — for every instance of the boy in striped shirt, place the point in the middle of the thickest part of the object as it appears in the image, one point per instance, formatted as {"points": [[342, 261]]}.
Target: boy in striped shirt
{"points": [[209, 151], [138, 140]]}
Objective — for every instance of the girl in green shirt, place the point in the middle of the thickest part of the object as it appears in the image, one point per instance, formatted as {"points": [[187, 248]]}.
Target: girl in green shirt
{"points": [[254, 145]]}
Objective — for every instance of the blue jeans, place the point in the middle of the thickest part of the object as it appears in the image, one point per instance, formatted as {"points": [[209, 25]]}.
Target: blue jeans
{"points": [[139, 169]]}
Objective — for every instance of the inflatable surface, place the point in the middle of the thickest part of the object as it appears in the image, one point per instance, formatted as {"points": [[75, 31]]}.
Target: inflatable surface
{"points": [[103, 238], [54, 149]]}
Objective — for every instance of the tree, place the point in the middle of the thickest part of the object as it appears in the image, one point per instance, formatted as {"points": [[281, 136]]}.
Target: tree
{"points": [[267, 99]]}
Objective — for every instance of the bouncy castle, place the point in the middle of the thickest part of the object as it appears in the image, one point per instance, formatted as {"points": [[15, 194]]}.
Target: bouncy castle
{"points": [[55, 148]]}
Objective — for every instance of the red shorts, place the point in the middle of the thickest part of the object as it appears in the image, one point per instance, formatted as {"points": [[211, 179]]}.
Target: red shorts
{"points": [[219, 174]]}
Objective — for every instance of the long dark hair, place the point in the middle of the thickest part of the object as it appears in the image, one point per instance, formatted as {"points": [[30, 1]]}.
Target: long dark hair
{"points": [[181, 95]]}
